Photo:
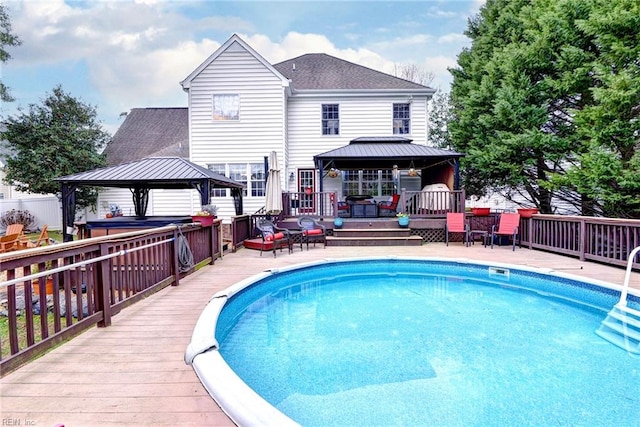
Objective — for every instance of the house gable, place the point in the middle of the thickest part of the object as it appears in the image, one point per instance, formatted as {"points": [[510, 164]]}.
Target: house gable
{"points": [[234, 44]]}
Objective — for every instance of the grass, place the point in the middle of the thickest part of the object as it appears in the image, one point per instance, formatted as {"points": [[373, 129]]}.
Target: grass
{"points": [[22, 332]]}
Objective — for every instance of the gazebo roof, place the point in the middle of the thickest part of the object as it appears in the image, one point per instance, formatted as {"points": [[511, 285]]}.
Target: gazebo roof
{"points": [[382, 152], [151, 173]]}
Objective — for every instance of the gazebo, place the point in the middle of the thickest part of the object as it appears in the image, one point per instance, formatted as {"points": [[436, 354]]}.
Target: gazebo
{"points": [[392, 152], [143, 175]]}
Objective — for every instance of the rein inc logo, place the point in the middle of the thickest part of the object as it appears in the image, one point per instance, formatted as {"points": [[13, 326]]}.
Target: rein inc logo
{"points": [[7, 421]]}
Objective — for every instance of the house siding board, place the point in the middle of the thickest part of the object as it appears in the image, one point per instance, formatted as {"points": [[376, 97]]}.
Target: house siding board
{"points": [[261, 125], [304, 125]]}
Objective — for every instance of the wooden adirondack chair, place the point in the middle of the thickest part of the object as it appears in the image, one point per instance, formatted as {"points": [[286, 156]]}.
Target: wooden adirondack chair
{"points": [[42, 238], [508, 226], [9, 242]]}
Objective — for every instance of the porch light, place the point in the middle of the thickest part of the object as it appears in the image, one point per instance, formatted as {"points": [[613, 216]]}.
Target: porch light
{"points": [[292, 177]]}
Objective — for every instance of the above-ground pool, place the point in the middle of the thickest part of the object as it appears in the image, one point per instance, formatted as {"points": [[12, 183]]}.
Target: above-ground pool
{"points": [[415, 341]]}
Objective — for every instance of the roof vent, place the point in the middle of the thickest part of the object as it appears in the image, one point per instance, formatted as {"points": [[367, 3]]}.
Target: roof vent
{"points": [[293, 66]]}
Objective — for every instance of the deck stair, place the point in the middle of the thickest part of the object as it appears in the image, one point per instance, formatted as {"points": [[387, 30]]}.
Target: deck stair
{"points": [[621, 327], [373, 237]]}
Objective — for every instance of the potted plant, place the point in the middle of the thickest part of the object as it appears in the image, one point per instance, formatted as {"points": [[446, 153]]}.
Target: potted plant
{"points": [[403, 219], [35, 283], [205, 215]]}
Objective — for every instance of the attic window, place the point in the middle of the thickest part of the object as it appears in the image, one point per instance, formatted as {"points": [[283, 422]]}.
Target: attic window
{"points": [[226, 107]]}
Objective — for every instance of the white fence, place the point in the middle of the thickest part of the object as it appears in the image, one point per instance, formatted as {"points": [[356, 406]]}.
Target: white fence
{"points": [[46, 210]]}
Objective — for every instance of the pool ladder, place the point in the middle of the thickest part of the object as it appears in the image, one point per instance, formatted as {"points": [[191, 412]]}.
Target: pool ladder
{"points": [[622, 325]]}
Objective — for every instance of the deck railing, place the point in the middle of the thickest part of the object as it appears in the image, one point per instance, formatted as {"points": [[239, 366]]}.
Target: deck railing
{"points": [[91, 280], [419, 204]]}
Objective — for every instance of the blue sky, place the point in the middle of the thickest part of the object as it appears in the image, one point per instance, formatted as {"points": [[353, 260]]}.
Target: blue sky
{"points": [[119, 55]]}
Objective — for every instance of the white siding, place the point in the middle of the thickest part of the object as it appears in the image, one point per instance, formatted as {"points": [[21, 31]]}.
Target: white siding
{"points": [[359, 116], [260, 128]]}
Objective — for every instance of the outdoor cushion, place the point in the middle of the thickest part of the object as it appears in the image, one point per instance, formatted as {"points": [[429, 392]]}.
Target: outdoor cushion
{"points": [[312, 232], [271, 237]]}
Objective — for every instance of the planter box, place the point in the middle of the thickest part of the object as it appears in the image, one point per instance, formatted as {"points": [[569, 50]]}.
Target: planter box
{"points": [[527, 212], [204, 220], [480, 211]]}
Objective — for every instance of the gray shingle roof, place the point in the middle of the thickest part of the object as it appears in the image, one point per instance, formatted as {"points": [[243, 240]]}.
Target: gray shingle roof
{"points": [[319, 71], [154, 172], [150, 132]]}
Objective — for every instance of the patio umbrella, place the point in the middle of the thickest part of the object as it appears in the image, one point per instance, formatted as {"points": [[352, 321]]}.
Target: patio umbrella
{"points": [[274, 187]]}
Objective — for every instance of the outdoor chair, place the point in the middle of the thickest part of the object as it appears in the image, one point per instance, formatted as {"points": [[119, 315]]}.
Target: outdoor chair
{"points": [[344, 210], [389, 207], [312, 231], [456, 224], [508, 226], [9, 242], [14, 229], [43, 238], [271, 234]]}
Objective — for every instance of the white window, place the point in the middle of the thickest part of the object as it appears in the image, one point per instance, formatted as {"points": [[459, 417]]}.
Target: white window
{"points": [[367, 181], [401, 119], [254, 180], [226, 107], [330, 119], [220, 169]]}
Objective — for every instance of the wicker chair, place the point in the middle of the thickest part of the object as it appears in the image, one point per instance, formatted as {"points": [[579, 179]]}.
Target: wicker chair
{"points": [[271, 234], [312, 231]]}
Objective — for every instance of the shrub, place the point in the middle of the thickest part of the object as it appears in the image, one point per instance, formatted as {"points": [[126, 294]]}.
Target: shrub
{"points": [[15, 216]]}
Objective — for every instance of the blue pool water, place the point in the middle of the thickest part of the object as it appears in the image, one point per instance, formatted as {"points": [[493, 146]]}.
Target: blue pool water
{"points": [[414, 342]]}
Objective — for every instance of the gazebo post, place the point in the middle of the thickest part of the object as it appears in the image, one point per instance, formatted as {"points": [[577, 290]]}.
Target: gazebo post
{"points": [[68, 200]]}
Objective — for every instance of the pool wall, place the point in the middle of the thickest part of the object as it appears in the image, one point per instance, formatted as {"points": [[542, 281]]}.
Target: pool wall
{"points": [[245, 407]]}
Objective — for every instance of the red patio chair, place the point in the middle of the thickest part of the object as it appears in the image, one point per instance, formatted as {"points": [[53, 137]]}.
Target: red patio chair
{"points": [[389, 208], [456, 224], [508, 226]]}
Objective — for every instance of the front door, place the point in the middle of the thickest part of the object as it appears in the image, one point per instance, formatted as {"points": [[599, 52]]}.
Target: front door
{"points": [[307, 186]]}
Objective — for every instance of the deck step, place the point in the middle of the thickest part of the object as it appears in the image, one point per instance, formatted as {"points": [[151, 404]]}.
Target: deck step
{"points": [[371, 232], [375, 241]]}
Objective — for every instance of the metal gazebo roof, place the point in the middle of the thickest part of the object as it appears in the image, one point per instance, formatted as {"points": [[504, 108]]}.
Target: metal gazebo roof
{"points": [[382, 152], [152, 172], [142, 175]]}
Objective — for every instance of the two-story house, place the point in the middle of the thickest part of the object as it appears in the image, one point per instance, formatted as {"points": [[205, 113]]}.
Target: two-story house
{"points": [[320, 114]]}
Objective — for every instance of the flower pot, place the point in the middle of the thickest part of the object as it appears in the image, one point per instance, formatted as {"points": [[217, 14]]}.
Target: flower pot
{"points": [[480, 211], [527, 212], [337, 223], [204, 220], [35, 286], [403, 221], [308, 191]]}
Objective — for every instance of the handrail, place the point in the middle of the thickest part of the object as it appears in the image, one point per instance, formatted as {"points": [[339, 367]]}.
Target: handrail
{"points": [[627, 278], [82, 263]]}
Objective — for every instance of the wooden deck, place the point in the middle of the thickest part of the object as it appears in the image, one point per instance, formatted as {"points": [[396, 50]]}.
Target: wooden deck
{"points": [[133, 374]]}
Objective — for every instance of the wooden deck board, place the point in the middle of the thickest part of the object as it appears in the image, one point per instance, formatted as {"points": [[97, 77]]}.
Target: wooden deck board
{"points": [[133, 374]]}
